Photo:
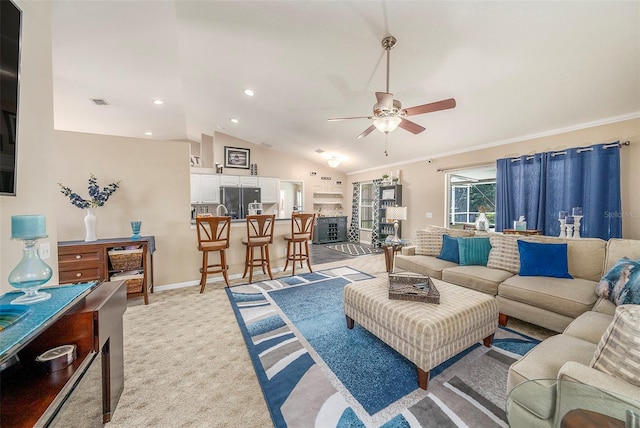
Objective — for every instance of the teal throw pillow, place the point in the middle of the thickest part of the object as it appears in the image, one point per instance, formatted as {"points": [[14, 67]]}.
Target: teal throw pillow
{"points": [[474, 251], [449, 249], [621, 284], [543, 259]]}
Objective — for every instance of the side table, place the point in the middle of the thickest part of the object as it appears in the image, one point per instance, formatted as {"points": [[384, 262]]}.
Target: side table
{"points": [[390, 250]]}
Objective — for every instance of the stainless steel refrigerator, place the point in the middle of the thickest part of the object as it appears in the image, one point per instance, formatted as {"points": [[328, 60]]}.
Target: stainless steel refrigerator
{"points": [[237, 199]]}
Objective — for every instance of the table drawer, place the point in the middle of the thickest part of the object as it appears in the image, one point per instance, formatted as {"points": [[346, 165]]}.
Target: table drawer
{"points": [[69, 255], [79, 275]]}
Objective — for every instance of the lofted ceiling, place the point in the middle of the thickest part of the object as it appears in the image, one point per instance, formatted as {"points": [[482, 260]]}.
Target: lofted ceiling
{"points": [[516, 69]]}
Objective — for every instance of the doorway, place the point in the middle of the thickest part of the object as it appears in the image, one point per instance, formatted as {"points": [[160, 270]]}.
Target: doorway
{"points": [[291, 197]]}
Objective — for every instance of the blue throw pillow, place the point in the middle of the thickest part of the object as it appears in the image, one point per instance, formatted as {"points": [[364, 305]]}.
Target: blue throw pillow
{"points": [[474, 251], [621, 284], [449, 249], [543, 259]]}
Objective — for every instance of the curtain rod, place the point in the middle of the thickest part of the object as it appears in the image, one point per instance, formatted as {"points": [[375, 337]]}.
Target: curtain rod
{"points": [[471, 165], [585, 149]]}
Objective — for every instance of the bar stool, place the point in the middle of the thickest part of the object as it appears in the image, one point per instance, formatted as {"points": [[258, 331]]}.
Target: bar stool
{"points": [[259, 235], [213, 235], [301, 233]]}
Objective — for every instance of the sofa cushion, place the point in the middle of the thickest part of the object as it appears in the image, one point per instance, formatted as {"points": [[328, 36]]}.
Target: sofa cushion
{"points": [[621, 284], [480, 278], [589, 326], [449, 249], [543, 259], [474, 251], [618, 352], [429, 242], [569, 297], [544, 362], [619, 248], [585, 256], [424, 265], [504, 253]]}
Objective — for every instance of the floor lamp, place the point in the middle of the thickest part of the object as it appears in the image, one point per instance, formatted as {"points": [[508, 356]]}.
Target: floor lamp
{"points": [[396, 214]]}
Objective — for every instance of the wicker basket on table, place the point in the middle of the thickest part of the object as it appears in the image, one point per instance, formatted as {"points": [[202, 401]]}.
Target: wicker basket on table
{"points": [[414, 287]]}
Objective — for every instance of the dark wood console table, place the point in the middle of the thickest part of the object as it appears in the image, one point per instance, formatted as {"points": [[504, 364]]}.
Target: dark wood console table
{"points": [[86, 315], [80, 261]]}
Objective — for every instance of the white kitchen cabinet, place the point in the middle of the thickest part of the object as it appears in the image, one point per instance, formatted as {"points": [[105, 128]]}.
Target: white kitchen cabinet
{"points": [[229, 180], [205, 189], [268, 189], [249, 181]]}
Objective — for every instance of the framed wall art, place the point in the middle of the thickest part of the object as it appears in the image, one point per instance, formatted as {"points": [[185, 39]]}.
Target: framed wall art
{"points": [[236, 157]]}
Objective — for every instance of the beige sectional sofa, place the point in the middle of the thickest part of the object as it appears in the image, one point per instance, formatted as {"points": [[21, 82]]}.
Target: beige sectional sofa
{"points": [[598, 349], [549, 302]]}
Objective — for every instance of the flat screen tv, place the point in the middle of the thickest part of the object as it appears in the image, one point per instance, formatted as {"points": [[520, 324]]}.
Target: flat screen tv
{"points": [[10, 22]]}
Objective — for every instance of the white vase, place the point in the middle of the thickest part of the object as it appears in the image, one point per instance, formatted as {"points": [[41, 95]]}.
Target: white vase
{"points": [[90, 226], [482, 222]]}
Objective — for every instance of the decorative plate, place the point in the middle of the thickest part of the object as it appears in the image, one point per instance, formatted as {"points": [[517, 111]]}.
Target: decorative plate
{"points": [[11, 314]]}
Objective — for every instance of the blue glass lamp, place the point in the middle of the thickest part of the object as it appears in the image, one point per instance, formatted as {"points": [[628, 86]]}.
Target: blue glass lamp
{"points": [[31, 273]]}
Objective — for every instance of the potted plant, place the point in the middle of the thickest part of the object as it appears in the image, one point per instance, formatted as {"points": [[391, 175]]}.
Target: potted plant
{"points": [[385, 178]]}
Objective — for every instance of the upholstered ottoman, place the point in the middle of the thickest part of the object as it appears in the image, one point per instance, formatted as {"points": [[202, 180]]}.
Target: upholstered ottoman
{"points": [[426, 334]]}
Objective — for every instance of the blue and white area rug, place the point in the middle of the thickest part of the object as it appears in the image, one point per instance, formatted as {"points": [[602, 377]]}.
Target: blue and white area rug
{"points": [[314, 372]]}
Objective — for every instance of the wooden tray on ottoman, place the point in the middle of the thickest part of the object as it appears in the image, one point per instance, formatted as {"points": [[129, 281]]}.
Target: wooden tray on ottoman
{"points": [[411, 286]]}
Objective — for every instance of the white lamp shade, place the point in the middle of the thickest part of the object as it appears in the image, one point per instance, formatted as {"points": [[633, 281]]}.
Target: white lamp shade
{"points": [[387, 124], [396, 213], [333, 162]]}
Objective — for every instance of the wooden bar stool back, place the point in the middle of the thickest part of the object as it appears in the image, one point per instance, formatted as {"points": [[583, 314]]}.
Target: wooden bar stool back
{"points": [[298, 241], [213, 235], [259, 235]]}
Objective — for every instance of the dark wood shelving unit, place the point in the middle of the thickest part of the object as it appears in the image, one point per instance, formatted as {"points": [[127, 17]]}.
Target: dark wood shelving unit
{"points": [[386, 200]]}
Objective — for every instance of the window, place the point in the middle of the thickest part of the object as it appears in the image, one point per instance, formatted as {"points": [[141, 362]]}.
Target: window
{"points": [[471, 192], [366, 205]]}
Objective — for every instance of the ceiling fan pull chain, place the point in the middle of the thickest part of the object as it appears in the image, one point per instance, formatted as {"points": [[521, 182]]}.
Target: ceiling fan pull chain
{"points": [[386, 140]]}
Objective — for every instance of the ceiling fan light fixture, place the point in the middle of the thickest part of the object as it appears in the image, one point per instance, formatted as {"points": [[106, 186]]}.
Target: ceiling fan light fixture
{"points": [[387, 124], [333, 162]]}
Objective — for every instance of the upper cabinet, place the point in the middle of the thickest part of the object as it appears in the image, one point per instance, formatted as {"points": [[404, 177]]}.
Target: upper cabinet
{"points": [[249, 181], [229, 180], [268, 189], [205, 189]]}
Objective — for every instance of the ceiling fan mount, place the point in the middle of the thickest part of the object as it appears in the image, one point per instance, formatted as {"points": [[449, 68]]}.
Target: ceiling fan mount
{"points": [[388, 113]]}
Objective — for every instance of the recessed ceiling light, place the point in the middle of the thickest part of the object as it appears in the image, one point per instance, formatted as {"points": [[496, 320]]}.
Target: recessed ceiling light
{"points": [[234, 120], [249, 92], [148, 133], [158, 102]]}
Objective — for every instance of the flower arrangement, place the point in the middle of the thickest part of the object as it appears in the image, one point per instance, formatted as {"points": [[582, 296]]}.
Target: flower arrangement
{"points": [[98, 196]]}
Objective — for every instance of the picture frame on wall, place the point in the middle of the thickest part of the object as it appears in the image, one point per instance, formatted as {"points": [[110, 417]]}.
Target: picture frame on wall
{"points": [[236, 157]]}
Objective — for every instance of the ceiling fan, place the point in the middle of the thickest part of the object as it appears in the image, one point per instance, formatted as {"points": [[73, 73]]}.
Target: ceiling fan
{"points": [[388, 113]]}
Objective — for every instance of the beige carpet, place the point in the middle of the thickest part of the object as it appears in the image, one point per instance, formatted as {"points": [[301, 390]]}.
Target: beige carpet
{"points": [[186, 364]]}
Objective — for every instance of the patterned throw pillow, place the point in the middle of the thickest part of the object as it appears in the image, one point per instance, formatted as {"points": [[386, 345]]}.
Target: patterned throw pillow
{"points": [[429, 243], [621, 284], [474, 251], [618, 352], [504, 253]]}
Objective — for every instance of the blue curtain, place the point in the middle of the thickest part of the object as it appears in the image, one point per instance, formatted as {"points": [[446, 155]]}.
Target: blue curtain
{"points": [[520, 186], [542, 185], [587, 178]]}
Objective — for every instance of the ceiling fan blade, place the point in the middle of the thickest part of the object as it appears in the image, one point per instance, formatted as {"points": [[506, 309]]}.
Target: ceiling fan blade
{"points": [[411, 126], [385, 100], [335, 119], [366, 132], [428, 108]]}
